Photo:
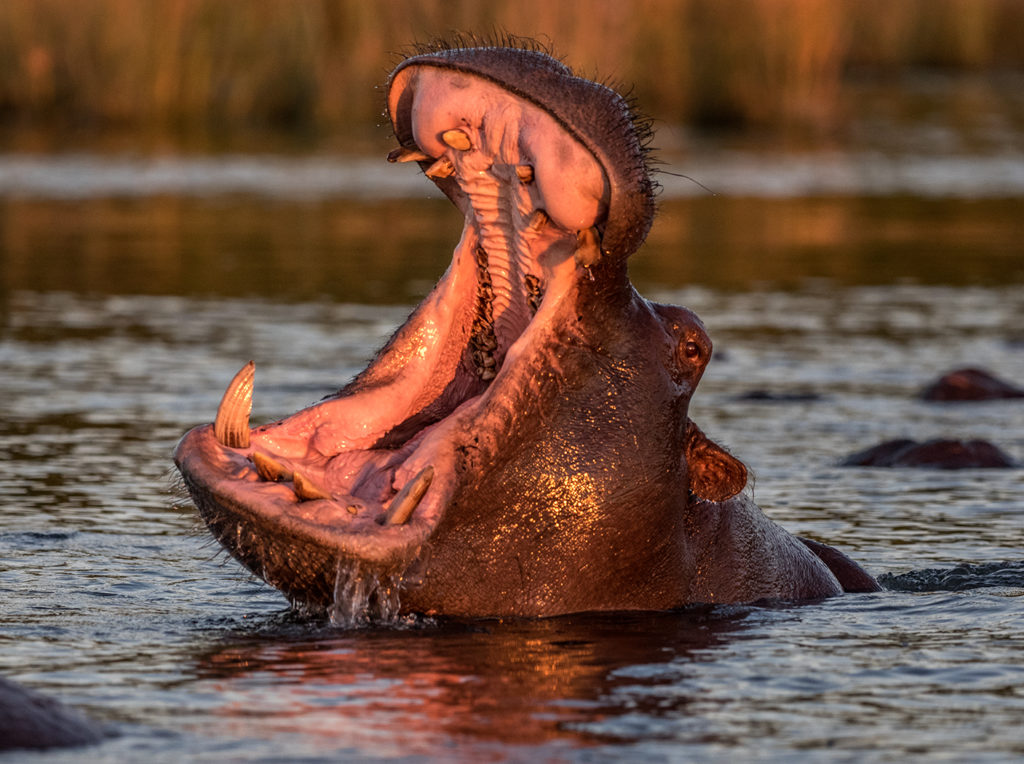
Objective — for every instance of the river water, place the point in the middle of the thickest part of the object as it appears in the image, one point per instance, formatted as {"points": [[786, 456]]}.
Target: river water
{"points": [[125, 309]]}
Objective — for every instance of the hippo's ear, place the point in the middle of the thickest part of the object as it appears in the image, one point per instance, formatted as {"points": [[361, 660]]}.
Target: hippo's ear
{"points": [[715, 474]]}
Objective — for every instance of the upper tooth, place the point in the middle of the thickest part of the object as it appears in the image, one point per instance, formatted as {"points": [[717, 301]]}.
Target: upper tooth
{"points": [[442, 168], [456, 139], [538, 219], [406, 154], [525, 173], [588, 247], [231, 427]]}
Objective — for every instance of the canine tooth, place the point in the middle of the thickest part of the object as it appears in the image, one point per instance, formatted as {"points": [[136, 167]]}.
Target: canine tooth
{"points": [[525, 173], [405, 154], [588, 247], [307, 490], [231, 427], [442, 168], [457, 139], [406, 500], [270, 469], [538, 220]]}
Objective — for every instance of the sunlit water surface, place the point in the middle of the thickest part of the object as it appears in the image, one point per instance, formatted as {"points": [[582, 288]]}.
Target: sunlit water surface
{"points": [[131, 290], [115, 601]]}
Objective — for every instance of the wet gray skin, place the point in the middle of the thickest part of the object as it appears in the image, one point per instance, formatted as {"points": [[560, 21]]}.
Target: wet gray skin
{"points": [[521, 445], [32, 721]]}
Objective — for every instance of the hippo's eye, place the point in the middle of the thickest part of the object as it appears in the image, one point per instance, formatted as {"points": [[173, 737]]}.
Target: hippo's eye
{"points": [[692, 351]]}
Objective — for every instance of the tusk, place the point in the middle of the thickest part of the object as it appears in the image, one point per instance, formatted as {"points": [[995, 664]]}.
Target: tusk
{"points": [[456, 139], [525, 173], [307, 490], [442, 168], [406, 500], [270, 469], [403, 154], [588, 247], [231, 427]]}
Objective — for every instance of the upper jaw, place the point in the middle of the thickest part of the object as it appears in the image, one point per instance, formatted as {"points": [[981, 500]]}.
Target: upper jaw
{"points": [[588, 115]]}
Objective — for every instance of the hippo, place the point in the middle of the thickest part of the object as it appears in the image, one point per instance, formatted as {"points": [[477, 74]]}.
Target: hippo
{"points": [[30, 720], [938, 453], [969, 384], [521, 446]]}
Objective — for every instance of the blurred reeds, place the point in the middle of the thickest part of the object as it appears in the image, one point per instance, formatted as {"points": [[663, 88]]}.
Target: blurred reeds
{"points": [[313, 66]]}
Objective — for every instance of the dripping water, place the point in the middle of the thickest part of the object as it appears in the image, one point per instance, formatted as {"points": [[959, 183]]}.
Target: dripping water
{"points": [[363, 596]]}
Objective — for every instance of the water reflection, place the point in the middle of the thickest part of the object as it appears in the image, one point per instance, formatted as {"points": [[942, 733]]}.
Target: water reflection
{"points": [[391, 252], [121, 322], [520, 682]]}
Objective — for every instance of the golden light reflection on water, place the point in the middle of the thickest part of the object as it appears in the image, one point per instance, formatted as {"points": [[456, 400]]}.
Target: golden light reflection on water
{"points": [[393, 251], [526, 683], [196, 661]]}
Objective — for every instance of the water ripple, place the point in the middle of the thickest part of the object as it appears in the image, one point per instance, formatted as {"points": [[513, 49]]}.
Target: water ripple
{"points": [[957, 579]]}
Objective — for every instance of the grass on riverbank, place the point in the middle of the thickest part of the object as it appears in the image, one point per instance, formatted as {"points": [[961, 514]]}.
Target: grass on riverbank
{"points": [[312, 66]]}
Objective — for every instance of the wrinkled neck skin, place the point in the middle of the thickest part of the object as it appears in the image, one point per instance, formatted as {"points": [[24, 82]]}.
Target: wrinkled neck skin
{"points": [[584, 512], [521, 445]]}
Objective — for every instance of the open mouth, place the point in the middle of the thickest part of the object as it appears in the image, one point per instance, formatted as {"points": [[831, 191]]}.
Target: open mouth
{"points": [[548, 170]]}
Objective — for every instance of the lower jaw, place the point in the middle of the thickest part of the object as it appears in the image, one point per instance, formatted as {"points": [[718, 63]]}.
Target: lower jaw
{"points": [[309, 560], [290, 552]]}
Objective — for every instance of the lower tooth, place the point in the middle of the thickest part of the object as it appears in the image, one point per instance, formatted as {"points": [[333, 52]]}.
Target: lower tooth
{"points": [[307, 490], [270, 469], [406, 500]]}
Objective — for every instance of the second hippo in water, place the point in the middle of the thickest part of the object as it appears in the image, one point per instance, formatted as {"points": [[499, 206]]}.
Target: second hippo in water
{"points": [[939, 453], [521, 445], [969, 384]]}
